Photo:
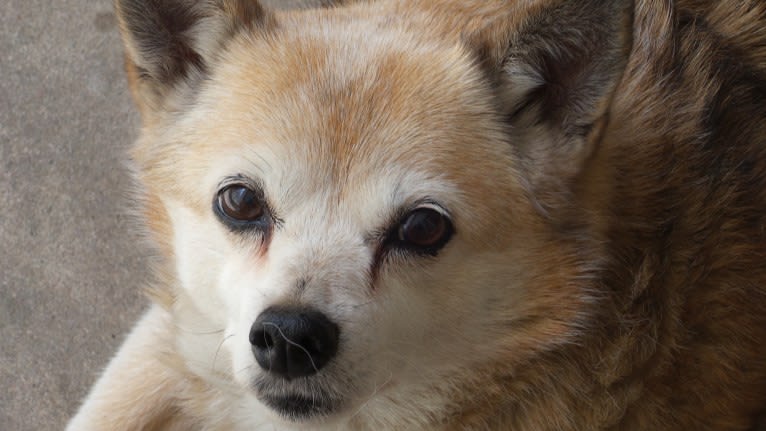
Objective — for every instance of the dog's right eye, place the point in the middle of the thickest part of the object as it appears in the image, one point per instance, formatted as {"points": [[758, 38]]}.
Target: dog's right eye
{"points": [[240, 205]]}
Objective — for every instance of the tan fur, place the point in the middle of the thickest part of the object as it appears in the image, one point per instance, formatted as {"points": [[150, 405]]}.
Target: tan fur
{"points": [[627, 217]]}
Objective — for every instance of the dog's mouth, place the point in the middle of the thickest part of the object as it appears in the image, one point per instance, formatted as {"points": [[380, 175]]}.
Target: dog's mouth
{"points": [[297, 405]]}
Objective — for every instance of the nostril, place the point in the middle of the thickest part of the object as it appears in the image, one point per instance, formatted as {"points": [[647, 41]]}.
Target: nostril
{"points": [[312, 345], [261, 339], [258, 336]]}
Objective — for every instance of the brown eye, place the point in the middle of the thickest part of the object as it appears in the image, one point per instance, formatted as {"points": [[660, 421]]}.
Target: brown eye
{"points": [[425, 229], [239, 203]]}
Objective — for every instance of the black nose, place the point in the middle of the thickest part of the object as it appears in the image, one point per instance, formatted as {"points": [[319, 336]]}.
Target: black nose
{"points": [[293, 342]]}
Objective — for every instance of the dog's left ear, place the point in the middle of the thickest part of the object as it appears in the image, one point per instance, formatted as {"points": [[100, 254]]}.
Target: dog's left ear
{"points": [[556, 64]]}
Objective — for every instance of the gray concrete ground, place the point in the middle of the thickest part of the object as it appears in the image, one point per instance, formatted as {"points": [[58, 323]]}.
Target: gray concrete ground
{"points": [[71, 266]]}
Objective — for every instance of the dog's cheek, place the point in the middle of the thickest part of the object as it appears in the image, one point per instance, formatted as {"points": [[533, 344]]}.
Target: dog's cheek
{"points": [[446, 317], [200, 251]]}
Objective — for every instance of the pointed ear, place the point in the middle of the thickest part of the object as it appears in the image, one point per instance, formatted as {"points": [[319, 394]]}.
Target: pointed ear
{"points": [[173, 42], [556, 64]]}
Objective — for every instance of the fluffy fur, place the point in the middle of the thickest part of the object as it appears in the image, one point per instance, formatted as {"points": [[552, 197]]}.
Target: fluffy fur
{"points": [[603, 163]]}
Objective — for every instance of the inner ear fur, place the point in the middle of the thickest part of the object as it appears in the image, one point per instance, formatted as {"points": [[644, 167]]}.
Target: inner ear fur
{"points": [[556, 64], [170, 42]]}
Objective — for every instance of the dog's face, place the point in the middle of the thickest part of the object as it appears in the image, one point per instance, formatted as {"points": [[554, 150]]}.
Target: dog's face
{"points": [[351, 215], [373, 187]]}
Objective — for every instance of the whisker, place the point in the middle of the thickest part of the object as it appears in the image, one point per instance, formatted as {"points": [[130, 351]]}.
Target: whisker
{"points": [[364, 304], [313, 365], [189, 331], [375, 391], [244, 369], [215, 357]]}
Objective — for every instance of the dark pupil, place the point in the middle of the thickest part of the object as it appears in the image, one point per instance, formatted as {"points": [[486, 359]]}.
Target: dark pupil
{"points": [[241, 203], [423, 227]]}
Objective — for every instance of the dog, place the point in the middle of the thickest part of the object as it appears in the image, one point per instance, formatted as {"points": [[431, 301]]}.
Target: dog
{"points": [[447, 215]]}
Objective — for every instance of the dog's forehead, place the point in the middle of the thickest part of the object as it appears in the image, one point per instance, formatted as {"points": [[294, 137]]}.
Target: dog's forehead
{"points": [[351, 100]]}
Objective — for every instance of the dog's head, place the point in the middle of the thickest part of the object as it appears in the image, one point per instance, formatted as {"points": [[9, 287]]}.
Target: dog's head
{"points": [[372, 208]]}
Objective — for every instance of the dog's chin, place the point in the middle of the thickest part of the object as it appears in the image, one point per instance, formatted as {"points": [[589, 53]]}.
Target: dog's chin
{"points": [[297, 401], [299, 407]]}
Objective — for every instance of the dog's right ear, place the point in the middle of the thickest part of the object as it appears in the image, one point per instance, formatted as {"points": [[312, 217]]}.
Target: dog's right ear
{"points": [[555, 65], [170, 44]]}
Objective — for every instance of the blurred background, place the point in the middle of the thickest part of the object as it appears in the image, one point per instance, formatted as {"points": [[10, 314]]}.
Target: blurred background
{"points": [[71, 267]]}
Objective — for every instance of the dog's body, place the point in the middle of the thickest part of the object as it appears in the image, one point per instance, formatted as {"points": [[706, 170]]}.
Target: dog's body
{"points": [[530, 215]]}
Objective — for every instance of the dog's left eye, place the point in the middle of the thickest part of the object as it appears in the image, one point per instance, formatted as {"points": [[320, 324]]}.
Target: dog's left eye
{"points": [[240, 204], [424, 230]]}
